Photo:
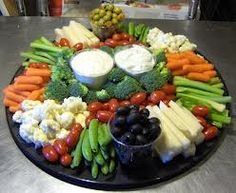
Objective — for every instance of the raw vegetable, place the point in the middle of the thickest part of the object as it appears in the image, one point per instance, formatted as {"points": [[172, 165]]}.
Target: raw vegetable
{"points": [[116, 75], [77, 89], [86, 147], [131, 28], [62, 73], [102, 95], [93, 135]]}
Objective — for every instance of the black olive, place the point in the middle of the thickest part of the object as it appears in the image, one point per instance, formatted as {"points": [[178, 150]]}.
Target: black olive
{"points": [[145, 131], [136, 128], [154, 120], [133, 118], [140, 140], [144, 120], [119, 121], [128, 138], [154, 131], [116, 131], [122, 110], [134, 111], [134, 107], [145, 112]]}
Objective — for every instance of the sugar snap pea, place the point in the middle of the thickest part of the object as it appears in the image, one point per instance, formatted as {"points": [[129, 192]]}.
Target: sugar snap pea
{"points": [[105, 154], [94, 169], [86, 148], [105, 169], [112, 166], [112, 152], [107, 136], [99, 158], [93, 135]]}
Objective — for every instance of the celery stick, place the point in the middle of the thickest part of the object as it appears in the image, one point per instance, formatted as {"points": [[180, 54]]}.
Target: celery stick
{"points": [[217, 106], [46, 47], [180, 81], [220, 118], [46, 41], [218, 85], [45, 54], [195, 91], [214, 80], [217, 124], [38, 58]]}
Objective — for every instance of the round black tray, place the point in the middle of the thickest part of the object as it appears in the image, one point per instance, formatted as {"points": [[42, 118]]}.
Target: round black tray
{"points": [[122, 178]]}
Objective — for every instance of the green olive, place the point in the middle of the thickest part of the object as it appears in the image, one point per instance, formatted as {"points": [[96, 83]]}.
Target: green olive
{"points": [[102, 12], [95, 22], [96, 17], [109, 13], [101, 22], [114, 15], [108, 24], [117, 10], [109, 7], [96, 11], [107, 17], [121, 16], [114, 21]]}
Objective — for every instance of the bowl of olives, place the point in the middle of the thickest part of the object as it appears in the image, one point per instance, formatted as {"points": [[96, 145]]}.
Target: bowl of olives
{"points": [[134, 135], [105, 20]]}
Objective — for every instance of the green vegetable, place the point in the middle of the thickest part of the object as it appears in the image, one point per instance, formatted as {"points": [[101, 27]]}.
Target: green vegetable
{"points": [[142, 33], [160, 55], [220, 118], [127, 87], [180, 81], [104, 137], [108, 50], [218, 85], [112, 166], [78, 89], [36, 57], [46, 47], [94, 169], [62, 73], [86, 148], [214, 80], [99, 158], [217, 106], [217, 124], [105, 169], [138, 30], [131, 28], [90, 97], [219, 99], [104, 153], [112, 152], [110, 87], [155, 78], [93, 135], [77, 154], [46, 41], [116, 75], [188, 90], [144, 38], [45, 54], [102, 95], [56, 90]]}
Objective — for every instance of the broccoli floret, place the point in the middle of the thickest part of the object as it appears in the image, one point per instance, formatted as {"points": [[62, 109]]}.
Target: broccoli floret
{"points": [[56, 90], [102, 95], [116, 75], [127, 87], [160, 55], [110, 87], [90, 97], [78, 89], [155, 78], [62, 73]]}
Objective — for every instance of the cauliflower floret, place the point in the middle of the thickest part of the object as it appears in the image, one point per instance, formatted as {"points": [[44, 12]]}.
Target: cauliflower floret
{"points": [[86, 113], [80, 118], [74, 105], [27, 105], [30, 120], [62, 134], [66, 119], [49, 127], [39, 138], [17, 117], [26, 132]]}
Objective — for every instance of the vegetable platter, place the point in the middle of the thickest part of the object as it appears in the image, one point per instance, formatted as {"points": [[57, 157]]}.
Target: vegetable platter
{"points": [[121, 106]]}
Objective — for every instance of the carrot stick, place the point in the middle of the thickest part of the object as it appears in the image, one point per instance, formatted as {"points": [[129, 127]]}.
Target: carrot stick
{"points": [[29, 79], [177, 64], [14, 97], [211, 73], [179, 72], [35, 94], [26, 87], [37, 72], [41, 98], [175, 56], [198, 67], [46, 79], [198, 76], [8, 102], [13, 109], [195, 59]]}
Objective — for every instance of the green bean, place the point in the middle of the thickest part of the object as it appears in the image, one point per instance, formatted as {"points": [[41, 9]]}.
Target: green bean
{"points": [[93, 135], [86, 148]]}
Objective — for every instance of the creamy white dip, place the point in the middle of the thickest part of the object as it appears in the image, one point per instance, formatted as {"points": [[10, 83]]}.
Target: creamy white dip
{"points": [[135, 60], [92, 63]]}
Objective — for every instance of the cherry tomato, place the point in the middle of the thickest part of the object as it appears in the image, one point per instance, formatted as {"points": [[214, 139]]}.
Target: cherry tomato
{"points": [[50, 153], [124, 43], [202, 121], [131, 39], [111, 43], [106, 106], [95, 106], [71, 140], [78, 46], [157, 96], [64, 42], [210, 133], [124, 103], [76, 129], [145, 103], [89, 119], [57, 44], [166, 102], [125, 36], [97, 45], [169, 89], [138, 98], [117, 37], [151, 104], [60, 146], [66, 160], [104, 116], [200, 110], [170, 97], [113, 104], [101, 44]]}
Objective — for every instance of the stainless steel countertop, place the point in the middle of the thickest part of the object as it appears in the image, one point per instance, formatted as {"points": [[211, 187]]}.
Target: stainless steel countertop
{"points": [[217, 41]]}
